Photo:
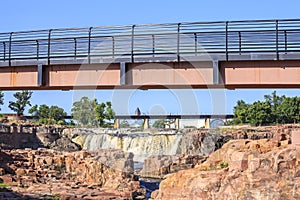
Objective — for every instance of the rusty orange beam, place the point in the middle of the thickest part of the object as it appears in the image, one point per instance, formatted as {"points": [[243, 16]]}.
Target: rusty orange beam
{"points": [[150, 75]]}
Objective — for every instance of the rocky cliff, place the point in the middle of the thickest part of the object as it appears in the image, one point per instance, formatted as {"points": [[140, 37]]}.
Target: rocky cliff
{"points": [[76, 175], [241, 169]]}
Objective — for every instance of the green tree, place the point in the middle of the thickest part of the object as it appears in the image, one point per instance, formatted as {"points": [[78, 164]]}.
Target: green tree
{"points": [[22, 100], [260, 113], [289, 110], [104, 112], [48, 115], [274, 100], [89, 112], [1, 98], [159, 123], [124, 124], [110, 114], [84, 111], [275, 109], [56, 113], [34, 111], [241, 112], [100, 113]]}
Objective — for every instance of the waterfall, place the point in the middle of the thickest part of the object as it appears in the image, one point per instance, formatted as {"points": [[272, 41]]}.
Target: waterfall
{"points": [[142, 145]]}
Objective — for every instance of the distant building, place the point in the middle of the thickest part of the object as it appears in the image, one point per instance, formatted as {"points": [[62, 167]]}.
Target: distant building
{"points": [[137, 112]]}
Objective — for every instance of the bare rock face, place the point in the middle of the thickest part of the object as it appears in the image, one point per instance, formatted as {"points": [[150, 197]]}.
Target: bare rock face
{"points": [[241, 169], [200, 142], [158, 166], [115, 159], [69, 175], [65, 144]]}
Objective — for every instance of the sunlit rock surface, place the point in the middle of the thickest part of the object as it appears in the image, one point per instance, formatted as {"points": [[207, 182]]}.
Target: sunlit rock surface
{"points": [[241, 169], [69, 175]]}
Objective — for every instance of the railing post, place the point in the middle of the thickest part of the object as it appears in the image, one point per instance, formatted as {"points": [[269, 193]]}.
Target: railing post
{"points": [[226, 40], [178, 42], [113, 46], [240, 43], [89, 45], [9, 48], [285, 42], [196, 43], [277, 52], [37, 49], [153, 45], [49, 45], [4, 51], [75, 48], [132, 43]]}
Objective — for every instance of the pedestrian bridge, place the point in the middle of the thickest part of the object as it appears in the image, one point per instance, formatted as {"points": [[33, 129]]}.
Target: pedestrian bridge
{"points": [[226, 54], [176, 119]]}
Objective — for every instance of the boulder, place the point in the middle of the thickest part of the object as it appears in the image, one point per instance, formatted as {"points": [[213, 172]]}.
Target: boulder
{"points": [[115, 159], [158, 166], [65, 144], [200, 142]]}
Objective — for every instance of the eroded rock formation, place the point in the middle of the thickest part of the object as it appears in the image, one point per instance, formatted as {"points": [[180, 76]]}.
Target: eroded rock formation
{"points": [[241, 169], [76, 175]]}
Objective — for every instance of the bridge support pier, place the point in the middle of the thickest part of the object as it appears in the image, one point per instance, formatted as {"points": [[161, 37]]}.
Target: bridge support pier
{"points": [[117, 123], [207, 122], [176, 122], [146, 123]]}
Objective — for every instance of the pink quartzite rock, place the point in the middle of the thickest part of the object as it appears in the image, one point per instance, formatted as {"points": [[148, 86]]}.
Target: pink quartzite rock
{"points": [[69, 175], [261, 169], [296, 137]]}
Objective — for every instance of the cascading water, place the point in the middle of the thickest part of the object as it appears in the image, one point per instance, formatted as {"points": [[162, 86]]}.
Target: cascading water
{"points": [[141, 145]]}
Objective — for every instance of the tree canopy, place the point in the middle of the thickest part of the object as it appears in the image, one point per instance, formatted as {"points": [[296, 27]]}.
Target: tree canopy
{"points": [[46, 114], [22, 100], [273, 110], [159, 123], [90, 112]]}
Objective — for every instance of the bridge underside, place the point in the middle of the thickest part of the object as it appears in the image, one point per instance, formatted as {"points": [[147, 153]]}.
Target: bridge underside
{"points": [[153, 75]]}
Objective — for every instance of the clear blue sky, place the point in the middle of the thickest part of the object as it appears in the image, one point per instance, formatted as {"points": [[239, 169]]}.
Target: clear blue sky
{"points": [[30, 14]]}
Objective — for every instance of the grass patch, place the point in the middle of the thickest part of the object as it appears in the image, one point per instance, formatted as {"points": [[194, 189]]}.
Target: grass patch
{"points": [[223, 164], [4, 185]]}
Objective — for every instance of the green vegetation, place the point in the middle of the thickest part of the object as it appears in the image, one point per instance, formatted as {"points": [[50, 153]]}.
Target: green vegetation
{"points": [[89, 113], [48, 115], [4, 185], [223, 164], [159, 123], [22, 100], [273, 110], [124, 124], [104, 112]]}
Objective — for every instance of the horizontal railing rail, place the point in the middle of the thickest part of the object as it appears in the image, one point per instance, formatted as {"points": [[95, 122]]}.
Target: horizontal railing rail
{"points": [[274, 37]]}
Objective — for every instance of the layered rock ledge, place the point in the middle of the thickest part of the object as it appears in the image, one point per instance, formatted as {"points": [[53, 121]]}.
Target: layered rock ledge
{"points": [[49, 174], [241, 169]]}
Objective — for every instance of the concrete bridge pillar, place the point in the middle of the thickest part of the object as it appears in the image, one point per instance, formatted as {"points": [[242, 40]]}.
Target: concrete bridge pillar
{"points": [[176, 122], [207, 122], [117, 123], [146, 123]]}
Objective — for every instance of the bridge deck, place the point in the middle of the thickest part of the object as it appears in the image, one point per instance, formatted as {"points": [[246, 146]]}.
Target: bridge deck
{"points": [[208, 116], [230, 54]]}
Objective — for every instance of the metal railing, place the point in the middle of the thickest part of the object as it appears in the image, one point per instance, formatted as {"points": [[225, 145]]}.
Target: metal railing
{"points": [[227, 38]]}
